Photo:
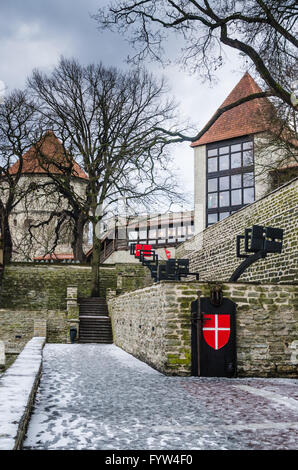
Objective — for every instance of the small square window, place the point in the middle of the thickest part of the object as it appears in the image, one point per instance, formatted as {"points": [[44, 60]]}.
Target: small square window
{"points": [[223, 150], [181, 231], [236, 197], [212, 165], [236, 148], [224, 162], [212, 218], [132, 235], [247, 145], [223, 215], [235, 181], [224, 183], [236, 160], [248, 158], [212, 201], [224, 199], [142, 234], [212, 185], [212, 153], [152, 233], [248, 179], [248, 195]]}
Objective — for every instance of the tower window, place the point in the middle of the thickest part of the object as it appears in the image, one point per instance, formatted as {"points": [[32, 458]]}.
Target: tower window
{"points": [[230, 177]]}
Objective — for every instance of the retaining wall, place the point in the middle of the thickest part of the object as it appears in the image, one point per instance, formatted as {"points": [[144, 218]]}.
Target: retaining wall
{"points": [[154, 325], [18, 386], [212, 252], [37, 287], [17, 326]]}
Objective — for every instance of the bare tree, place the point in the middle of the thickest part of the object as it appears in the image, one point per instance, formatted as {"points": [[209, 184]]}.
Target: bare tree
{"points": [[277, 150], [41, 221], [264, 31], [107, 123], [17, 132], [56, 199]]}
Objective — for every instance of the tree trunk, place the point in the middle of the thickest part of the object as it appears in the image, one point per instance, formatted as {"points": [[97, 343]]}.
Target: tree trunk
{"points": [[78, 238], [7, 240], [95, 279]]}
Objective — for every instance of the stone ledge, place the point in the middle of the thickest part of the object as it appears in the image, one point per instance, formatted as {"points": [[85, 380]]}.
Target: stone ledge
{"points": [[18, 387]]}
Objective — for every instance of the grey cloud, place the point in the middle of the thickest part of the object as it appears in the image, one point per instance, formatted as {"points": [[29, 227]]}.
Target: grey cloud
{"points": [[34, 33]]}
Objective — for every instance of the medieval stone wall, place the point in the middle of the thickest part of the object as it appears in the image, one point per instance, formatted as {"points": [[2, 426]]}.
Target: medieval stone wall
{"points": [[212, 252], [32, 292], [154, 325], [38, 287], [17, 327]]}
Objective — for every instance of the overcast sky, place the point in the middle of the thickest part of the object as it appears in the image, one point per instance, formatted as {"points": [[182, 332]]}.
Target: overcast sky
{"points": [[35, 33]]}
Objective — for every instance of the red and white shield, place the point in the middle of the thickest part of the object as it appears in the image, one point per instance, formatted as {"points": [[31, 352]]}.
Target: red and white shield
{"points": [[216, 330]]}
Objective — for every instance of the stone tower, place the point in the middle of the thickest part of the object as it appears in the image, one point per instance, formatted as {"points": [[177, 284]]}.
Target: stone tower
{"points": [[40, 203]]}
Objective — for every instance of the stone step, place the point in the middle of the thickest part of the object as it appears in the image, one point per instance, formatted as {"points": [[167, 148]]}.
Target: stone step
{"points": [[92, 300], [93, 307], [94, 336], [95, 331], [82, 341], [95, 323], [98, 337], [89, 311], [99, 321], [94, 314]]}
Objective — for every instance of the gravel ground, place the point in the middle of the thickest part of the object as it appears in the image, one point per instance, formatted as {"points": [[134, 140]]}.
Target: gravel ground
{"points": [[94, 396]]}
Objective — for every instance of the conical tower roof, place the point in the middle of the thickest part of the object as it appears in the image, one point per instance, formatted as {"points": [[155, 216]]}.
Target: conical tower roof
{"points": [[247, 118], [52, 149]]}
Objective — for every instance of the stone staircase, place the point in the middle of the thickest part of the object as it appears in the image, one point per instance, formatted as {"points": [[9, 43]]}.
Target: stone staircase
{"points": [[95, 323]]}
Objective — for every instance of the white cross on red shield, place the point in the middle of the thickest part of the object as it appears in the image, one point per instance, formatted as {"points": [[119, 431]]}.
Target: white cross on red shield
{"points": [[216, 329]]}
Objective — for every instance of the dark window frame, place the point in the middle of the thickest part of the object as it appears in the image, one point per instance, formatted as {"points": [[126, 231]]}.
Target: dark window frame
{"points": [[228, 172]]}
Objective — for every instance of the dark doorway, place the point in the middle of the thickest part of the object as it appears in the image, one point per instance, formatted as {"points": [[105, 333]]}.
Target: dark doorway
{"points": [[214, 338]]}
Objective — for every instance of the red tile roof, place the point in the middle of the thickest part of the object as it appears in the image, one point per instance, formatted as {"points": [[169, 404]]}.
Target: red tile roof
{"points": [[248, 118], [53, 256], [52, 149]]}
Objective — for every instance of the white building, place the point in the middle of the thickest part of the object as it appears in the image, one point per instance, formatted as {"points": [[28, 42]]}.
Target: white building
{"points": [[161, 231]]}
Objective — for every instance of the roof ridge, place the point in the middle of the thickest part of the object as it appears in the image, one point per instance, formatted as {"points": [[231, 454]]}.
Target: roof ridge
{"points": [[247, 118]]}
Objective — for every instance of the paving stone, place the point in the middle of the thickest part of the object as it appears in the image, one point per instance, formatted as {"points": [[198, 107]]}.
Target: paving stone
{"points": [[95, 396]]}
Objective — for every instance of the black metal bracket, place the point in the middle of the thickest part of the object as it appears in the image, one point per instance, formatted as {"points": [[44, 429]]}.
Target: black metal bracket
{"points": [[260, 241], [245, 264]]}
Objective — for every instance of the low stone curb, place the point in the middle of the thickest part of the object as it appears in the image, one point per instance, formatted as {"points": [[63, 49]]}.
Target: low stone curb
{"points": [[18, 387]]}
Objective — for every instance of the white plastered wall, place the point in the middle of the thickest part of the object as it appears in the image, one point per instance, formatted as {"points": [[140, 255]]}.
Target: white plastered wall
{"points": [[200, 188]]}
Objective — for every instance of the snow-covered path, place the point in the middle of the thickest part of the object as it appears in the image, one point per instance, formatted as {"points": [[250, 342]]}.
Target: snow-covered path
{"points": [[94, 396]]}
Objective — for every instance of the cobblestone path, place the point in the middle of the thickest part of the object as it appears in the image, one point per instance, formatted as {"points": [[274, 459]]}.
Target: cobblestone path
{"points": [[94, 396]]}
